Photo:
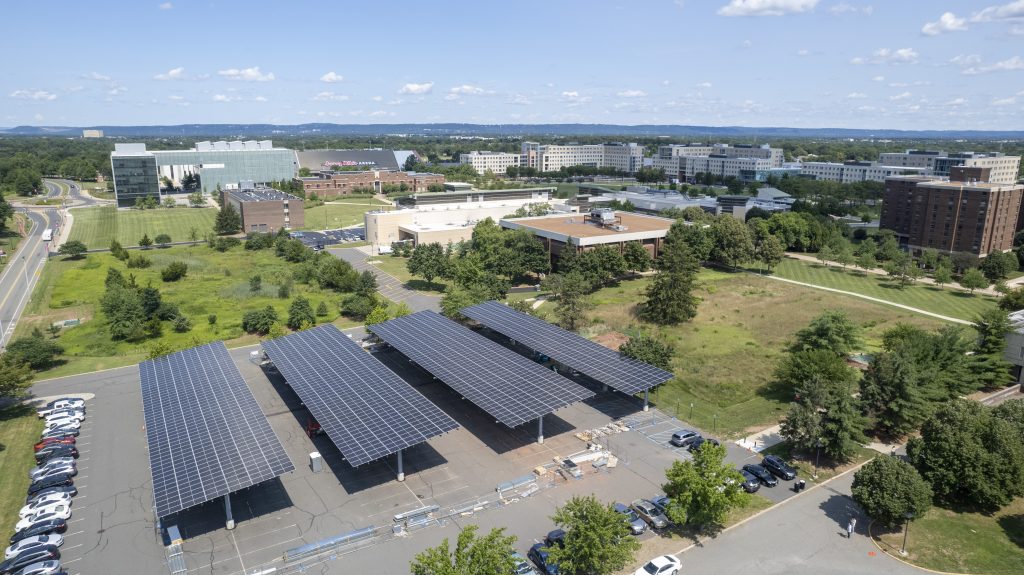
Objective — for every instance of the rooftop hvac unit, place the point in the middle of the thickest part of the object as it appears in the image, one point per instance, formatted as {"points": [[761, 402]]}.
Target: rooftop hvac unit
{"points": [[603, 215]]}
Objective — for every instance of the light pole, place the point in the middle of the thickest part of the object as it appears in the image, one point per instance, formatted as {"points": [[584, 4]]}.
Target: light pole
{"points": [[817, 455], [906, 528]]}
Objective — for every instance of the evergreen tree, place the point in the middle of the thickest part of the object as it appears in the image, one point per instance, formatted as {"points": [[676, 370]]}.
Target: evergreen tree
{"points": [[228, 220]]}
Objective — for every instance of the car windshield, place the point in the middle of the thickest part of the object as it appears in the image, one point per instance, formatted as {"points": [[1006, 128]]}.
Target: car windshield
{"points": [[651, 568]]}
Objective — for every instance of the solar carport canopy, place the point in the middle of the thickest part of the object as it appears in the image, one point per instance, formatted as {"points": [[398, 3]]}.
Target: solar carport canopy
{"points": [[587, 357], [506, 385], [366, 410], [207, 435]]}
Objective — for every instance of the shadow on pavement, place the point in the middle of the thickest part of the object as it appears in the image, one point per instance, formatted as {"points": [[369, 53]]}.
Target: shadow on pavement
{"points": [[841, 508]]}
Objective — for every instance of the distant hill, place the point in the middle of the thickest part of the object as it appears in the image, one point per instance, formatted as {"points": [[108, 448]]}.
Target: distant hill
{"points": [[513, 130]]}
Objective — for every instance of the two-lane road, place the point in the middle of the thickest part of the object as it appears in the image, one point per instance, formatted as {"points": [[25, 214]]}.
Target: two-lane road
{"points": [[19, 276]]}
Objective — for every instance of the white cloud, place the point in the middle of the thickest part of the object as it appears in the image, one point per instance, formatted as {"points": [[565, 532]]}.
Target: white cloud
{"points": [[889, 56], [116, 90], [879, 78], [172, 74], [175, 98], [965, 60], [166, 6], [379, 113], [38, 117], [803, 52], [704, 85], [844, 8], [574, 98], [948, 22], [519, 100], [331, 78], [34, 95], [377, 98], [413, 88], [856, 96], [260, 99], [632, 94], [746, 44], [1015, 63], [766, 7], [246, 74], [97, 76], [1005, 101], [901, 96], [330, 97], [1017, 31], [1000, 12], [225, 98], [451, 97], [571, 95], [75, 88], [957, 102], [467, 90]]}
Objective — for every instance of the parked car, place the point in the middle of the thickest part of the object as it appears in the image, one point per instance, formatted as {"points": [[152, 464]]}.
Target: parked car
{"points": [[53, 462], [684, 437], [45, 514], [46, 469], [41, 528], [69, 401], [650, 513], [66, 414], [27, 558], [555, 537], [57, 489], [56, 451], [60, 404], [664, 565], [523, 566], [59, 433], [51, 567], [778, 467], [53, 540], [636, 525], [45, 503], [697, 443], [68, 440], [750, 482], [661, 502], [762, 474], [63, 422], [52, 481], [540, 559]]}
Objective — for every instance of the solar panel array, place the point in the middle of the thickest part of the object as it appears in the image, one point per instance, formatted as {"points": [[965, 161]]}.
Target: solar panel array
{"points": [[207, 435], [506, 385], [590, 358], [366, 410]]}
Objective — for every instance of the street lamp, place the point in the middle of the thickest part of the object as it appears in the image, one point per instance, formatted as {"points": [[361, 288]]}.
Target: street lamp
{"points": [[909, 516], [817, 455]]}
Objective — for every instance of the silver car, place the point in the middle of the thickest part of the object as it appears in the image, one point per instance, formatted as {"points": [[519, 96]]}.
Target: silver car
{"points": [[636, 525], [650, 513]]}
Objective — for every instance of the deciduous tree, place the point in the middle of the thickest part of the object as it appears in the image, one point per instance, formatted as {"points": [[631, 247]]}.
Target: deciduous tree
{"points": [[74, 249], [888, 489], [650, 350], [702, 491], [597, 538], [473, 555]]}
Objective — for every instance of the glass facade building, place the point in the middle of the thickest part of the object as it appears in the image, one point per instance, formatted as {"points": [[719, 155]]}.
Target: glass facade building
{"points": [[222, 164]]}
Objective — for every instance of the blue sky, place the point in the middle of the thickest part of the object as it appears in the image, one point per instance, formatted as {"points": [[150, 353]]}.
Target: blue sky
{"points": [[907, 64]]}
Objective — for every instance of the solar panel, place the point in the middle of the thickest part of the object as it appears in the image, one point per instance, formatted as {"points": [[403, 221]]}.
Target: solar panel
{"points": [[366, 410], [587, 357], [506, 385], [207, 435]]}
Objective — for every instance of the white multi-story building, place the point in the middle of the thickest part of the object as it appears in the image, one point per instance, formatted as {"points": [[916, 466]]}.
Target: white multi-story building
{"points": [[552, 157], [849, 172], [673, 158], [746, 169], [1003, 169], [496, 162]]}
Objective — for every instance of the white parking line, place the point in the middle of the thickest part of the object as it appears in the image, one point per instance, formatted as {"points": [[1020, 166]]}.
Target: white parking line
{"points": [[75, 533], [66, 549], [70, 521], [72, 561]]}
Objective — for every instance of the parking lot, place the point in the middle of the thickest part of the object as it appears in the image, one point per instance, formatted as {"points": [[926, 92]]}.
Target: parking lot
{"points": [[112, 529], [331, 237]]}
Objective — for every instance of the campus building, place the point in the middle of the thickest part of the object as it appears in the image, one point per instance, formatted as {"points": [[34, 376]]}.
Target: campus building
{"points": [[137, 171], [628, 158], [495, 162], [684, 162], [600, 226], [855, 171], [1002, 169], [372, 159], [448, 216], [330, 184], [951, 216], [265, 209]]}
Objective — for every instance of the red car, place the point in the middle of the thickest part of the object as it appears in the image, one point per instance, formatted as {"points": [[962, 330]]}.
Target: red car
{"points": [[68, 440]]}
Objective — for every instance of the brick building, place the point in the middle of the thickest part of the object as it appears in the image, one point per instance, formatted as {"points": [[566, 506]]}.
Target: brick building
{"points": [[330, 184], [266, 209], [951, 216]]}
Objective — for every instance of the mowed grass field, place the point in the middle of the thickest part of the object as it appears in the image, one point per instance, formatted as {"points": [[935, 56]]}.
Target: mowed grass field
{"points": [[96, 227], [727, 354], [19, 431], [948, 302], [343, 214], [952, 542], [217, 283]]}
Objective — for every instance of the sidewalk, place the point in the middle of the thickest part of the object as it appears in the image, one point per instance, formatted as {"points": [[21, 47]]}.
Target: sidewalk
{"points": [[387, 285]]}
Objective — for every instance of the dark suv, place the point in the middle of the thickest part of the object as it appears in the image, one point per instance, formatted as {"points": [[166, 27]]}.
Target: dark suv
{"points": [[750, 483], [762, 474], [778, 467]]}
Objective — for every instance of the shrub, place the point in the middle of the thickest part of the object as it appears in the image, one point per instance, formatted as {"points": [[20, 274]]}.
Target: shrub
{"points": [[284, 291], [138, 261], [259, 321], [224, 244], [182, 324], [162, 239], [321, 310], [37, 352], [212, 319], [174, 271], [167, 311], [300, 314], [358, 306]]}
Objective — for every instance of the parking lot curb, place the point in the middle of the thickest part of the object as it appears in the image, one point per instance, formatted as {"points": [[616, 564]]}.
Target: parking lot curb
{"points": [[702, 540]]}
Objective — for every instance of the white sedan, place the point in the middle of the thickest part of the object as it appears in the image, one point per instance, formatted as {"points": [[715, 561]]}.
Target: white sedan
{"points": [[48, 470], [36, 541], [62, 423], [44, 504], [55, 512], [664, 565]]}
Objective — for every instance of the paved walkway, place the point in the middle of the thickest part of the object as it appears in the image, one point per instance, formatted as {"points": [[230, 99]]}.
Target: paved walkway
{"points": [[388, 285], [923, 280]]}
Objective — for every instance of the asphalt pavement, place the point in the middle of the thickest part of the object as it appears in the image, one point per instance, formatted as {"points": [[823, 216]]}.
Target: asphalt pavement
{"points": [[19, 276]]}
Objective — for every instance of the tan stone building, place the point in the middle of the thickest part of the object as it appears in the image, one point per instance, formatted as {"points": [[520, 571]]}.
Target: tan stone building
{"points": [[266, 209]]}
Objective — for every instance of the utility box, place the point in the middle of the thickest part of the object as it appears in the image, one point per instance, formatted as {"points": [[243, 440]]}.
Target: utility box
{"points": [[316, 462]]}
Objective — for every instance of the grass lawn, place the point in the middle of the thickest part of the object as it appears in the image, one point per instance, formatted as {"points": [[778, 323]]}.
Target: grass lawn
{"points": [[19, 430], [805, 462], [726, 355], [944, 540], [339, 215], [217, 283], [9, 237], [396, 266], [97, 190], [96, 227], [948, 302]]}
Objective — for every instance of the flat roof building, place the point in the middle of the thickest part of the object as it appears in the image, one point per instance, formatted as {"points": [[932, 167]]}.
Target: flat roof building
{"points": [[265, 209], [974, 217], [137, 171], [495, 162], [329, 184], [1003, 169], [371, 159], [855, 171], [627, 158]]}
